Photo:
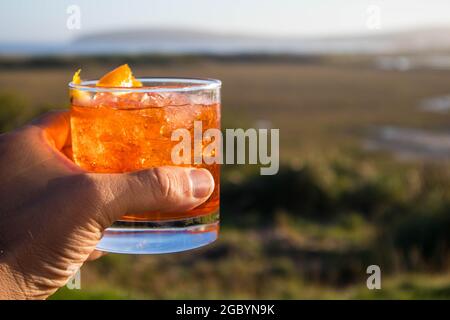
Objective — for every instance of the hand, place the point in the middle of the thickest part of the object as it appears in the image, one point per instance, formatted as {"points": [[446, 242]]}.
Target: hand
{"points": [[52, 213]]}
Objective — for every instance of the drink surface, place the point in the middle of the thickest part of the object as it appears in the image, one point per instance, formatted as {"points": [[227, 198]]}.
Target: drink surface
{"points": [[113, 133]]}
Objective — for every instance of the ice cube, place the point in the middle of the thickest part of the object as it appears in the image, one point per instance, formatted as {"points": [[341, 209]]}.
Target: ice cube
{"points": [[105, 99]]}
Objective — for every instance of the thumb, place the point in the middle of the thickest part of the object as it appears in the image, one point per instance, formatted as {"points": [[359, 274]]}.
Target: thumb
{"points": [[162, 189]]}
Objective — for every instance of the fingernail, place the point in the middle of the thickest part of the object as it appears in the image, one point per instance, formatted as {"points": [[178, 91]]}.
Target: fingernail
{"points": [[201, 182]]}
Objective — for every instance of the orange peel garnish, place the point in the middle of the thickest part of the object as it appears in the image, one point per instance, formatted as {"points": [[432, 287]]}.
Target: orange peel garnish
{"points": [[119, 77], [75, 94], [76, 77]]}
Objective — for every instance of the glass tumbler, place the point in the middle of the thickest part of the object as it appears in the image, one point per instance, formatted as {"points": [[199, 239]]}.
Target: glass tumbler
{"points": [[116, 130]]}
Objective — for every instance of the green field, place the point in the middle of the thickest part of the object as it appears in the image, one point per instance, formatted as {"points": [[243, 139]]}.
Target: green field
{"points": [[333, 209]]}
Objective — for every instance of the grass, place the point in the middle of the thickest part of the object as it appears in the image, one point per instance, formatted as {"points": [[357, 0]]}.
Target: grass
{"points": [[401, 287]]}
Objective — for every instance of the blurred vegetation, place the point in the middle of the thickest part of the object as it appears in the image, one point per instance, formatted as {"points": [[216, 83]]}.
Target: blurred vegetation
{"points": [[311, 230], [12, 111], [16, 111]]}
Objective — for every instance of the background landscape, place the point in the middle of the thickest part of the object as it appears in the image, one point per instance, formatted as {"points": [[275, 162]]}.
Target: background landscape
{"points": [[364, 145]]}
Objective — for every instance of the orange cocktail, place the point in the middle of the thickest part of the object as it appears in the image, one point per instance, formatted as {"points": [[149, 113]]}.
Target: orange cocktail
{"points": [[122, 124]]}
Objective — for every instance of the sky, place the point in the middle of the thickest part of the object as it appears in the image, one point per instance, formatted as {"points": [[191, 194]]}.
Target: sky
{"points": [[46, 20]]}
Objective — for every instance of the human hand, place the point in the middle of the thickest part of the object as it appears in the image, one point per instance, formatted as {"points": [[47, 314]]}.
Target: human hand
{"points": [[52, 213]]}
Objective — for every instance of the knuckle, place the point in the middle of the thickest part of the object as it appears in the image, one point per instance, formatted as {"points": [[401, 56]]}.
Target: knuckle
{"points": [[163, 182], [95, 197], [171, 182], [89, 188]]}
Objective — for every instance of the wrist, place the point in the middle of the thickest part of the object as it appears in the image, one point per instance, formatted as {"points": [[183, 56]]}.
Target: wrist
{"points": [[19, 284], [11, 283]]}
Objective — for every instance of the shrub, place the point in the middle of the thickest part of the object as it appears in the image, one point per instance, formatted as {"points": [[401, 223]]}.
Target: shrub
{"points": [[12, 111]]}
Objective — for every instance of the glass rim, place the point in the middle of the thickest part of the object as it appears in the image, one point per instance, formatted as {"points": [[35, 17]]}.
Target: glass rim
{"points": [[187, 85]]}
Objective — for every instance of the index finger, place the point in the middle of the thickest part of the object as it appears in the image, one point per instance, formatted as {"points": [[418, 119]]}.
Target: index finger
{"points": [[56, 126]]}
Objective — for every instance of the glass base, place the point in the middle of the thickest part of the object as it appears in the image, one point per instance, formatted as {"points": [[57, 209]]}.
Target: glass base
{"points": [[142, 237]]}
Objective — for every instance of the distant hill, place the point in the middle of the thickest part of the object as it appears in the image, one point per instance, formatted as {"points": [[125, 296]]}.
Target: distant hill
{"points": [[189, 41], [156, 34], [199, 41]]}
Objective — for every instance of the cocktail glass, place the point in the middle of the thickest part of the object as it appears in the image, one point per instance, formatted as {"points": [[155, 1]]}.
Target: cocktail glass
{"points": [[117, 130]]}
